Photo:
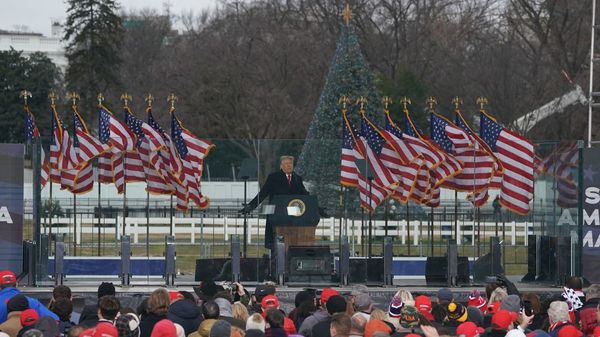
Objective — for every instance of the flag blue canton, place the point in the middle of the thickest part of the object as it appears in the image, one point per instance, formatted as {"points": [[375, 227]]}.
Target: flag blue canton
{"points": [[410, 130], [461, 124], [78, 125], [347, 142], [392, 129], [374, 139], [135, 124], [104, 129], [30, 128], [54, 129], [489, 131], [152, 122], [438, 133], [176, 134]]}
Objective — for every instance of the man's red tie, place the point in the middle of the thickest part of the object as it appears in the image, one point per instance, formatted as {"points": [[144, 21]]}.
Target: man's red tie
{"points": [[289, 176]]}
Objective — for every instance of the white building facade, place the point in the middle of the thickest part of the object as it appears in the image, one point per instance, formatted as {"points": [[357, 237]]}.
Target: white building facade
{"points": [[29, 43]]}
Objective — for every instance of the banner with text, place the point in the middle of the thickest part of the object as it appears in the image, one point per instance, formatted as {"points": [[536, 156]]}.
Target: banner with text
{"points": [[591, 217], [11, 207]]}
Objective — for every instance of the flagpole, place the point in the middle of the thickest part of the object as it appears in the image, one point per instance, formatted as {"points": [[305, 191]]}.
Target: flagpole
{"points": [[171, 99], [74, 97], [125, 98], [53, 98], [100, 99], [149, 99], [361, 101]]}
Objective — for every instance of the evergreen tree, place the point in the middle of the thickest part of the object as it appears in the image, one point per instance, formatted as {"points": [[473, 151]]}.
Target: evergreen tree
{"points": [[319, 162], [94, 34], [36, 74]]}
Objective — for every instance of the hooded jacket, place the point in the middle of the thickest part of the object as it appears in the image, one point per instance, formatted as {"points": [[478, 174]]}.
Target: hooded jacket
{"points": [[8, 293], [185, 313], [311, 321], [226, 313]]}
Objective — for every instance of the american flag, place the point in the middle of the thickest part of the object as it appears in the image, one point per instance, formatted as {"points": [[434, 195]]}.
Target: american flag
{"points": [[370, 142], [516, 154], [478, 165], [191, 151], [441, 166], [404, 174], [410, 149], [79, 178], [32, 133], [89, 146], [159, 177], [448, 165], [480, 198], [348, 170], [128, 166], [58, 144], [370, 193], [138, 166], [116, 134], [169, 153]]}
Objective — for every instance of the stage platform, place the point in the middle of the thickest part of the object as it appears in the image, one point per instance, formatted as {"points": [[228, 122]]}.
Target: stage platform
{"points": [[84, 290]]}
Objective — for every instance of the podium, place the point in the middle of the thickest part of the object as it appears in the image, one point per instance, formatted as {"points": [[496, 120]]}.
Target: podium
{"points": [[295, 218]]}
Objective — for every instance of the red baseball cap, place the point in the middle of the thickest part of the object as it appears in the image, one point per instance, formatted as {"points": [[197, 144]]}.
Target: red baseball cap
{"points": [[493, 307], [269, 301], [104, 329], [7, 277], [569, 331], [469, 329], [175, 295], [327, 293], [503, 319], [29, 317], [423, 305]]}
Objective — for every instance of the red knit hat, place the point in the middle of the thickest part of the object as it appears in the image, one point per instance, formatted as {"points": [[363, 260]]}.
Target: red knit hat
{"points": [[475, 300]]}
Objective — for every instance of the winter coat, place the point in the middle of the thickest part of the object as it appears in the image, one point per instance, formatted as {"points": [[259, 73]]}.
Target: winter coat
{"points": [[587, 316], [185, 313], [89, 316], [147, 323], [310, 321], [321, 329], [8, 293]]}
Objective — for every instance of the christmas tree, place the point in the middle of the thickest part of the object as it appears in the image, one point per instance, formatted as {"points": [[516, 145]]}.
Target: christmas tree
{"points": [[319, 161]]}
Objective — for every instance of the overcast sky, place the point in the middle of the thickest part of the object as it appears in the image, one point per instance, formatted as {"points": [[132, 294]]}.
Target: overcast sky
{"points": [[37, 14]]}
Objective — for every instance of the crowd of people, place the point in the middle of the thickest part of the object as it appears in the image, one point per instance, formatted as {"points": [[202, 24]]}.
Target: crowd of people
{"points": [[216, 311]]}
